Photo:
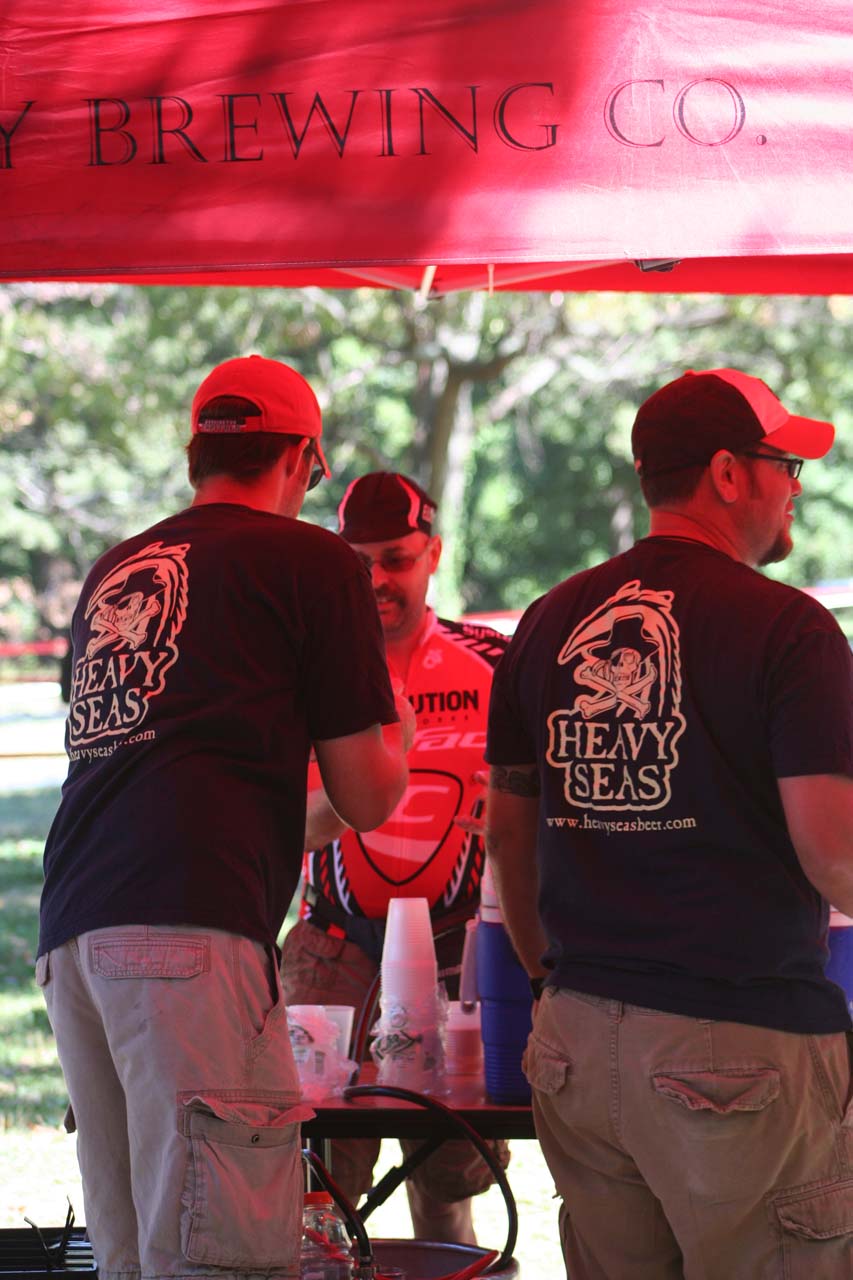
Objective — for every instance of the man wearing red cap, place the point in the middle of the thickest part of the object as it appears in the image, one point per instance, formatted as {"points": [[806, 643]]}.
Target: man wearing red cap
{"points": [[671, 750], [211, 652], [333, 953]]}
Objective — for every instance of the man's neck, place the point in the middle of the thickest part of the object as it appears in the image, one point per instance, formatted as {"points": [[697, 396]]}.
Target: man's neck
{"points": [[223, 489], [399, 651], [274, 491], [694, 527]]}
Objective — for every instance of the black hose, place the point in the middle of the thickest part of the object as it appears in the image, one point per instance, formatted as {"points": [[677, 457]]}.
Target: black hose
{"points": [[431, 1104]]}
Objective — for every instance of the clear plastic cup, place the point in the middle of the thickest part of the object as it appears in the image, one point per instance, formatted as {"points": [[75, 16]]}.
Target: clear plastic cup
{"points": [[321, 1067], [342, 1015], [310, 1023]]}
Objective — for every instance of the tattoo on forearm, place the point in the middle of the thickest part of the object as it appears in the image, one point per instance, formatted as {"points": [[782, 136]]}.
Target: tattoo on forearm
{"points": [[515, 781]]}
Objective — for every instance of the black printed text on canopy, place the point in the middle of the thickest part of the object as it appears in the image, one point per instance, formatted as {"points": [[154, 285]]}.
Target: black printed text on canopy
{"points": [[457, 144]]}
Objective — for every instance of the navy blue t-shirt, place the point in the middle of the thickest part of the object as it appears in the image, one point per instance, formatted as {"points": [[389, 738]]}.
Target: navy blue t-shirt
{"points": [[662, 694], [210, 651]]}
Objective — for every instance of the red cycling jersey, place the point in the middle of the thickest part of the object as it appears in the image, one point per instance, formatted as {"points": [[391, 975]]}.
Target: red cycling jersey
{"points": [[419, 852]]}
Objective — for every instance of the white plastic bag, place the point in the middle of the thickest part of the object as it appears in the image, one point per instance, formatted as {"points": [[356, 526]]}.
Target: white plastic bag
{"points": [[323, 1071]]}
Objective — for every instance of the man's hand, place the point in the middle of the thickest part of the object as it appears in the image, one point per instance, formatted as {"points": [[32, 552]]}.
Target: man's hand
{"points": [[406, 712], [474, 822]]}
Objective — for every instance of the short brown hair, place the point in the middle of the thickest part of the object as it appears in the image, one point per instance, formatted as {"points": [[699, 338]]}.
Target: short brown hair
{"points": [[677, 485], [241, 457]]}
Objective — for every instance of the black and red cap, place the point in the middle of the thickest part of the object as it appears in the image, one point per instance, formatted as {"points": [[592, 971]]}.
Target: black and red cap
{"points": [[384, 505], [688, 420]]}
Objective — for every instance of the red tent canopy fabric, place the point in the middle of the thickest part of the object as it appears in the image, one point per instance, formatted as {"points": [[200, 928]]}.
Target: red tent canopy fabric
{"points": [[466, 144]]}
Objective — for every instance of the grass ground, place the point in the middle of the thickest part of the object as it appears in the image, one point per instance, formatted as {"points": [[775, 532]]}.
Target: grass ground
{"points": [[38, 1168]]}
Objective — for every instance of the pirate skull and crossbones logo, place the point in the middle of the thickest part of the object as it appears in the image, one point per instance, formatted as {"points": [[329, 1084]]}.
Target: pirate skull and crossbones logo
{"points": [[623, 681], [614, 730], [125, 622]]}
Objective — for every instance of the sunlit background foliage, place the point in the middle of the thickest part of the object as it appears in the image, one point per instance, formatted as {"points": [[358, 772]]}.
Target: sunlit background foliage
{"points": [[514, 410]]}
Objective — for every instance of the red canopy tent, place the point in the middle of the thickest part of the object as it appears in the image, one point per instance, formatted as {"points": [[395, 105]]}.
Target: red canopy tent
{"points": [[465, 144]]}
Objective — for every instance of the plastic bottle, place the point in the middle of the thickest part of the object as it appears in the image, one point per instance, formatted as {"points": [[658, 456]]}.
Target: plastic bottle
{"points": [[325, 1253]]}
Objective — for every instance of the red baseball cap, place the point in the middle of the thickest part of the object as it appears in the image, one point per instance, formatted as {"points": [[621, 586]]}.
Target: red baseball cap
{"points": [[688, 420], [275, 398]]}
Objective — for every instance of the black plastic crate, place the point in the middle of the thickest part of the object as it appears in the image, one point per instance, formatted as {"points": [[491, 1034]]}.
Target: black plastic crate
{"points": [[29, 1254]]}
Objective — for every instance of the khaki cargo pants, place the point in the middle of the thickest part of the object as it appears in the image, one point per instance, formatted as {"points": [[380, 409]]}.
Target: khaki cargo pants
{"points": [[687, 1148], [177, 1059]]}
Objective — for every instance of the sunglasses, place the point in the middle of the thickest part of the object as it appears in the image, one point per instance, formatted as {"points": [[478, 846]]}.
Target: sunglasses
{"points": [[392, 561], [318, 471], [793, 466]]}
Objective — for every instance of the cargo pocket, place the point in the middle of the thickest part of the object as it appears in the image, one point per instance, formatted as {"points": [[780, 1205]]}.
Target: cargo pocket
{"points": [[726, 1090], [545, 1067], [817, 1231], [242, 1199]]}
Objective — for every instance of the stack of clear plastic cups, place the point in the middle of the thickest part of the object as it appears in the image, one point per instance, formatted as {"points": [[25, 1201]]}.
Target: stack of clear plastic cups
{"points": [[408, 1045]]}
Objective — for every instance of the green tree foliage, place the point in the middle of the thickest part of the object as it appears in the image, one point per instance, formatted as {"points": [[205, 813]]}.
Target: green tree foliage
{"points": [[552, 487], [514, 410]]}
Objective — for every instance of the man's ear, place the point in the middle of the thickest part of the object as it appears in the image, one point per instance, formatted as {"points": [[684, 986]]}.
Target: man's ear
{"points": [[725, 476], [434, 553], [292, 459]]}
